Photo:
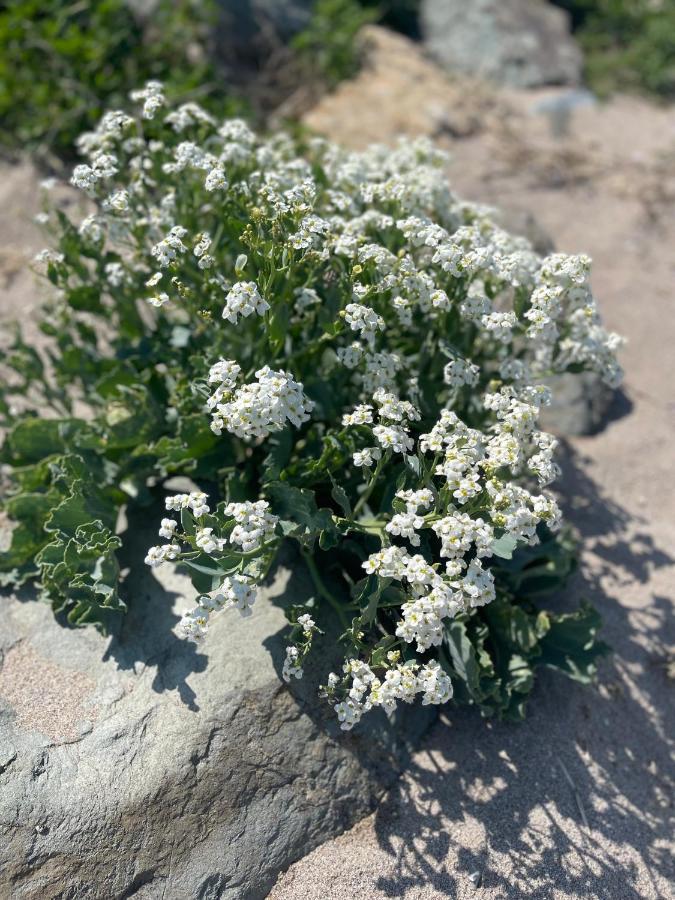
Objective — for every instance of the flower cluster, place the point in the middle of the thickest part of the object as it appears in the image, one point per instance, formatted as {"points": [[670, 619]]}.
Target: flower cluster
{"points": [[371, 353], [401, 682], [244, 299], [255, 410], [234, 593], [254, 524], [245, 529]]}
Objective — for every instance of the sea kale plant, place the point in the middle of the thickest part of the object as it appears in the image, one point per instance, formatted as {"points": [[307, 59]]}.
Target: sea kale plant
{"points": [[344, 358]]}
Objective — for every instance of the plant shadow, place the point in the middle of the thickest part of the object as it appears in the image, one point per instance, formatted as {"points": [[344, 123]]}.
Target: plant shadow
{"points": [[144, 636], [574, 802]]}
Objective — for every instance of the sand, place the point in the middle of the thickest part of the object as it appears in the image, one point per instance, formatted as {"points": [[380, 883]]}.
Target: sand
{"points": [[577, 802]]}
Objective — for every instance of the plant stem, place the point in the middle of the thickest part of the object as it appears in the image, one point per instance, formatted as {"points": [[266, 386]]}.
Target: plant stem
{"points": [[371, 484], [322, 589]]}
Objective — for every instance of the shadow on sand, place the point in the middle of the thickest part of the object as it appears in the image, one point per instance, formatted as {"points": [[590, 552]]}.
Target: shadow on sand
{"points": [[567, 803]]}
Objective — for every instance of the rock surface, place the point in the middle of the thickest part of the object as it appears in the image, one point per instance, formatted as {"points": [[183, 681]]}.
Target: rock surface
{"points": [[140, 766], [581, 404], [399, 91], [523, 43]]}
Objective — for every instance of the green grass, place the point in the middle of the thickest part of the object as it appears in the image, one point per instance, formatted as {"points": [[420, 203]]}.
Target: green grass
{"points": [[62, 64]]}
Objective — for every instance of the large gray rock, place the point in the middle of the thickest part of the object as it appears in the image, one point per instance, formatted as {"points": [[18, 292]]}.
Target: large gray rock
{"points": [[523, 43], [141, 766], [581, 404]]}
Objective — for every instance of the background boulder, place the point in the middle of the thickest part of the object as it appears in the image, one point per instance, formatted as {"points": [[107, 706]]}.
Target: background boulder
{"points": [[522, 43]]}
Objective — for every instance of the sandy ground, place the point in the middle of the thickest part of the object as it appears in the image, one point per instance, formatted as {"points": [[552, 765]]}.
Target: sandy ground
{"points": [[578, 801]]}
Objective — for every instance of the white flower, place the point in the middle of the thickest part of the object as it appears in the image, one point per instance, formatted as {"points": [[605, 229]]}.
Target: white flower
{"points": [[364, 320], [459, 532], [115, 274], [158, 555], [48, 257], [216, 180], [307, 622], [254, 524], [196, 501], [305, 298], [459, 372], [478, 585], [500, 325], [416, 500], [350, 356], [378, 279], [244, 299], [361, 415], [168, 528], [394, 409], [187, 115], [266, 405], [167, 249], [389, 562], [235, 593], [224, 373], [292, 667], [91, 229], [153, 97], [348, 713], [117, 201], [402, 682], [158, 300], [435, 684], [309, 234], [205, 540], [393, 437], [367, 457], [406, 525]]}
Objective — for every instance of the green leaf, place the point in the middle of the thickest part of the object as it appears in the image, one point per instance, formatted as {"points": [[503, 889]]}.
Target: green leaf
{"points": [[83, 503], [279, 446], [132, 417], [512, 625], [29, 512], [339, 494], [463, 657], [80, 574], [278, 325], [86, 297], [571, 644], [504, 546], [379, 655], [298, 505], [31, 439]]}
